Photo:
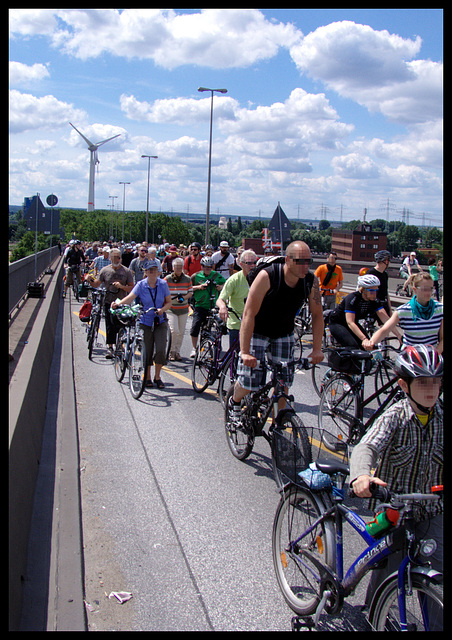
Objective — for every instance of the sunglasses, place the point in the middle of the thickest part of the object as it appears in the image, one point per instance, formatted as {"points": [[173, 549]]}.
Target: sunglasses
{"points": [[253, 262], [372, 290], [304, 261]]}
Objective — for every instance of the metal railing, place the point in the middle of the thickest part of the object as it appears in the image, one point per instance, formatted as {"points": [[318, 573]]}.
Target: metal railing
{"points": [[29, 269]]}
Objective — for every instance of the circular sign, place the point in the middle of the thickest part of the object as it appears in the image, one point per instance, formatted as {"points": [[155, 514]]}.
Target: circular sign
{"points": [[52, 200]]}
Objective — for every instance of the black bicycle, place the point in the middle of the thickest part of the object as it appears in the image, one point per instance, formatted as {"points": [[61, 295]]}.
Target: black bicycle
{"points": [[210, 364], [342, 403], [97, 297], [287, 435], [126, 316]]}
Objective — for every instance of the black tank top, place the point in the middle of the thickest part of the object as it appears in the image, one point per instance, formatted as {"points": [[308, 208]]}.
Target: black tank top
{"points": [[275, 318]]}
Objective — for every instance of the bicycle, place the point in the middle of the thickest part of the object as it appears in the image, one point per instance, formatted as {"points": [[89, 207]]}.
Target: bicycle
{"points": [[209, 364], [75, 270], [342, 403], [98, 297], [287, 435], [127, 316], [307, 550]]}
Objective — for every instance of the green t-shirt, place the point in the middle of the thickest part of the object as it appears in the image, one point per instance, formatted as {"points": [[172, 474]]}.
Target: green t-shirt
{"points": [[202, 296], [234, 293]]}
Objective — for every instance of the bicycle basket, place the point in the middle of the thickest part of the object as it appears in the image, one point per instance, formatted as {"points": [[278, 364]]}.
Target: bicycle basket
{"points": [[349, 360], [126, 316], [326, 448], [288, 455]]}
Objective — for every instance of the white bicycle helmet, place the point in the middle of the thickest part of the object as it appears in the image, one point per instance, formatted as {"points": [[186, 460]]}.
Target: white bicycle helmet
{"points": [[207, 262], [368, 282]]}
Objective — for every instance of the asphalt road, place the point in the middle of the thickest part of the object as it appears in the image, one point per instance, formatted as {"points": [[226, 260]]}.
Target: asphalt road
{"points": [[170, 516]]}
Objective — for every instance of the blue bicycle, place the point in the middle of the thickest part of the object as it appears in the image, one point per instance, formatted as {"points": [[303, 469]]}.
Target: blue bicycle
{"points": [[308, 557]]}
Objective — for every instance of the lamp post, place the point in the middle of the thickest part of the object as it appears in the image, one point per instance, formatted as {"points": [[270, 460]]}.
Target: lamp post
{"points": [[147, 200], [210, 156], [123, 207], [112, 207]]}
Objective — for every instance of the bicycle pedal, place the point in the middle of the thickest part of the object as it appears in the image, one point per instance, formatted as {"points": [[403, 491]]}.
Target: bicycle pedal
{"points": [[299, 623]]}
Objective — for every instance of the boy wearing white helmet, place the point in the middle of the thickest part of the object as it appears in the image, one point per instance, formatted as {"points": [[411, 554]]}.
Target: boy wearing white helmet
{"points": [[207, 285], [362, 303]]}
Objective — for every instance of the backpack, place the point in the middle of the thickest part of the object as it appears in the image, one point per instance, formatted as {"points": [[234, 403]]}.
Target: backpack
{"points": [[85, 311], [274, 273]]}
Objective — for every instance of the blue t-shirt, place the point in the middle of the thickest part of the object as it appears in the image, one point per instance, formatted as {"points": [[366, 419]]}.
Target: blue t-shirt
{"points": [[151, 298]]}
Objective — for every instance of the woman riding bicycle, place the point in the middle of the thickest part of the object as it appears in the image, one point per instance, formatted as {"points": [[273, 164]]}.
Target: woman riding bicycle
{"points": [[356, 306]]}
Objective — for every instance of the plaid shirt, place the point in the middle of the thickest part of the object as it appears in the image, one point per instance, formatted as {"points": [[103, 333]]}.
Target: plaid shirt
{"points": [[409, 455]]}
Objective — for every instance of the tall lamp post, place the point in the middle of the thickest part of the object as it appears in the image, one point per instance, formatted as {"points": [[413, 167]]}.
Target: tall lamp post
{"points": [[210, 156], [147, 200], [123, 207]]}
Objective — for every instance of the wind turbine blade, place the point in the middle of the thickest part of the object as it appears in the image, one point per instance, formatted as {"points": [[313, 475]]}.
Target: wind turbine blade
{"points": [[88, 142], [107, 140]]}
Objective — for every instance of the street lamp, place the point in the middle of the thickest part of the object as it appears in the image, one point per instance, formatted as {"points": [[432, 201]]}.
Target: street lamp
{"points": [[147, 201], [210, 155], [123, 207], [112, 207]]}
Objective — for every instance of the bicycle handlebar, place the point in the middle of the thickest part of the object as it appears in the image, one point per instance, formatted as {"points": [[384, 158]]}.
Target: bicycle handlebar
{"points": [[386, 496]]}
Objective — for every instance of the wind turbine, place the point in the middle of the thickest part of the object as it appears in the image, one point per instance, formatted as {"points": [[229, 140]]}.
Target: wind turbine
{"points": [[93, 147]]}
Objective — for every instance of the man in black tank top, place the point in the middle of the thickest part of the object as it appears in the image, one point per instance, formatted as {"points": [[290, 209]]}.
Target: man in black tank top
{"points": [[268, 319]]}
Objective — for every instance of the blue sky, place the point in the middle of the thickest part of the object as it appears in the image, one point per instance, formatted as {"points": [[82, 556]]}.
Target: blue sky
{"points": [[335, 108]]}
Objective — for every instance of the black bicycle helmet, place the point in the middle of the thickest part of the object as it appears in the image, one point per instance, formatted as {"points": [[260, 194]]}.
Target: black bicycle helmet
{"points": [[420, 361]]}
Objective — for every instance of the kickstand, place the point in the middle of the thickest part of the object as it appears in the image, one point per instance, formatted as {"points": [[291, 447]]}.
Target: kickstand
{"points": [[299, 623]]}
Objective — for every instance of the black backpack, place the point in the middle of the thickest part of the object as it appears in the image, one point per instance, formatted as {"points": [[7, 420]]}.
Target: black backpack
{"points": [[274, 273]]}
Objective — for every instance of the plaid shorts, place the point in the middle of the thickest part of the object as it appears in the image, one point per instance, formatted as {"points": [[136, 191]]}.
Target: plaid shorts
{"points": [[275, 350]]}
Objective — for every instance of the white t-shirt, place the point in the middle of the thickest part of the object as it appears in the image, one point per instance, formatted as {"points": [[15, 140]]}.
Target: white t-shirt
{"points": [[224, 268]]}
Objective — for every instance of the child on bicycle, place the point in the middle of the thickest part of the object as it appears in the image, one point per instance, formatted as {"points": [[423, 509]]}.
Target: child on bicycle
{"points": [[407, 442]]}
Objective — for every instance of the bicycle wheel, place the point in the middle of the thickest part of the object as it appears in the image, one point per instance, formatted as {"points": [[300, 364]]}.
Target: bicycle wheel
{"points": [[137, 370], [424, 606], [227, 376], [75, 287], [338, 411], [291, 449], [120, 363], [240, 443], [202, 365], [294, 561], [383, 374], [169, 341], [94, 330], [320, 374]]}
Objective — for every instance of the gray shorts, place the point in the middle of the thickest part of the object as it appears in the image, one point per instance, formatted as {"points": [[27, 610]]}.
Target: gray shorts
{"points": [[275, 350]]}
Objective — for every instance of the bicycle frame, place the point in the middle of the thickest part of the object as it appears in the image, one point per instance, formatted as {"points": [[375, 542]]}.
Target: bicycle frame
{"points": [[376, 551]]}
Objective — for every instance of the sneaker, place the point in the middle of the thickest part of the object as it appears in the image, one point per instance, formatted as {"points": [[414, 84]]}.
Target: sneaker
{"points": [[110, 354], [235, 412], [193, 353]]}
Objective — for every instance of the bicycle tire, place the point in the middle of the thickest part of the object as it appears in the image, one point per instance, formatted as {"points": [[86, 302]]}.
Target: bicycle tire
{"points": [[320, 374], [291, 449], [297, 575], [202, 365], [240, 443], [119, 359], [137, 370], [169, 342], [93, 335], [383, 374], [227, 375], [338, 410], [384, 615]]}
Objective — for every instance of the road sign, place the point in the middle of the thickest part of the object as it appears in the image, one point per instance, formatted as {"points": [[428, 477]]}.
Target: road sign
{"points": [[52, 200]]}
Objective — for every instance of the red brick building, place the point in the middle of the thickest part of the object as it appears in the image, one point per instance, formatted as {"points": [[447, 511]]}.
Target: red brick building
{"points": [[360, 244]]}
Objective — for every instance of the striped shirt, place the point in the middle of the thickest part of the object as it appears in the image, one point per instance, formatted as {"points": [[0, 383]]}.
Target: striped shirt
{"points": [[417, 330], [410, 455], [179, 286]]}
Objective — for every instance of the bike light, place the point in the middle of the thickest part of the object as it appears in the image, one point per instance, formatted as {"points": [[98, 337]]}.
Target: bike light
{"points": [[428, 547]]}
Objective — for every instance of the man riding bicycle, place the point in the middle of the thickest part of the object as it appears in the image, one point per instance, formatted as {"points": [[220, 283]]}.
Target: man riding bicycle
{"points": [[268, 321], [73, 258]]}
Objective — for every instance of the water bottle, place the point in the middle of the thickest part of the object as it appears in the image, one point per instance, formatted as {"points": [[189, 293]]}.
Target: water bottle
{"points": [[382, 522]]}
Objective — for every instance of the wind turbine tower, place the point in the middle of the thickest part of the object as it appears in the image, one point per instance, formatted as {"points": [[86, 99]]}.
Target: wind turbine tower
{"points": [[93, 147]]}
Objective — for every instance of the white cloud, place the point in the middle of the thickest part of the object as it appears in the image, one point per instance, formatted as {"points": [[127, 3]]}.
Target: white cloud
{"points": [[216, 38], [23, 74], [184, 111], [28, 112], [374, 68], [355, 166]]}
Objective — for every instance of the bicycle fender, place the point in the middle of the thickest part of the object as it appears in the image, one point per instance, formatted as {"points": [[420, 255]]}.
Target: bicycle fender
{"points": [[426, 571]]}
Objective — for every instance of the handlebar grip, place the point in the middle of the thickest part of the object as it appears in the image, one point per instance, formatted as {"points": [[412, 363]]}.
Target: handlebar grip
{"points": [[380, 493]]}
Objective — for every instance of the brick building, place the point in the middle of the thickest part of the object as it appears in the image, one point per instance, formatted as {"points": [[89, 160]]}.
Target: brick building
{"points": [[360, 244]]}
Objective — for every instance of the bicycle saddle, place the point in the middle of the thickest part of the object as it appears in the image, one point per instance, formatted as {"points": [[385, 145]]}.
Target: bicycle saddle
{"points": [[332, 466]]}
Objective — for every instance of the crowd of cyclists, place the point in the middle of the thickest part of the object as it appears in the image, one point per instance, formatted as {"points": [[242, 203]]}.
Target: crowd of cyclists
{"points": [[404, 447]]}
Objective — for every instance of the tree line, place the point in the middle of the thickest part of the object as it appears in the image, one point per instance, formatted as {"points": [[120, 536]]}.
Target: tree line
{"points": [[106, 225]]}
